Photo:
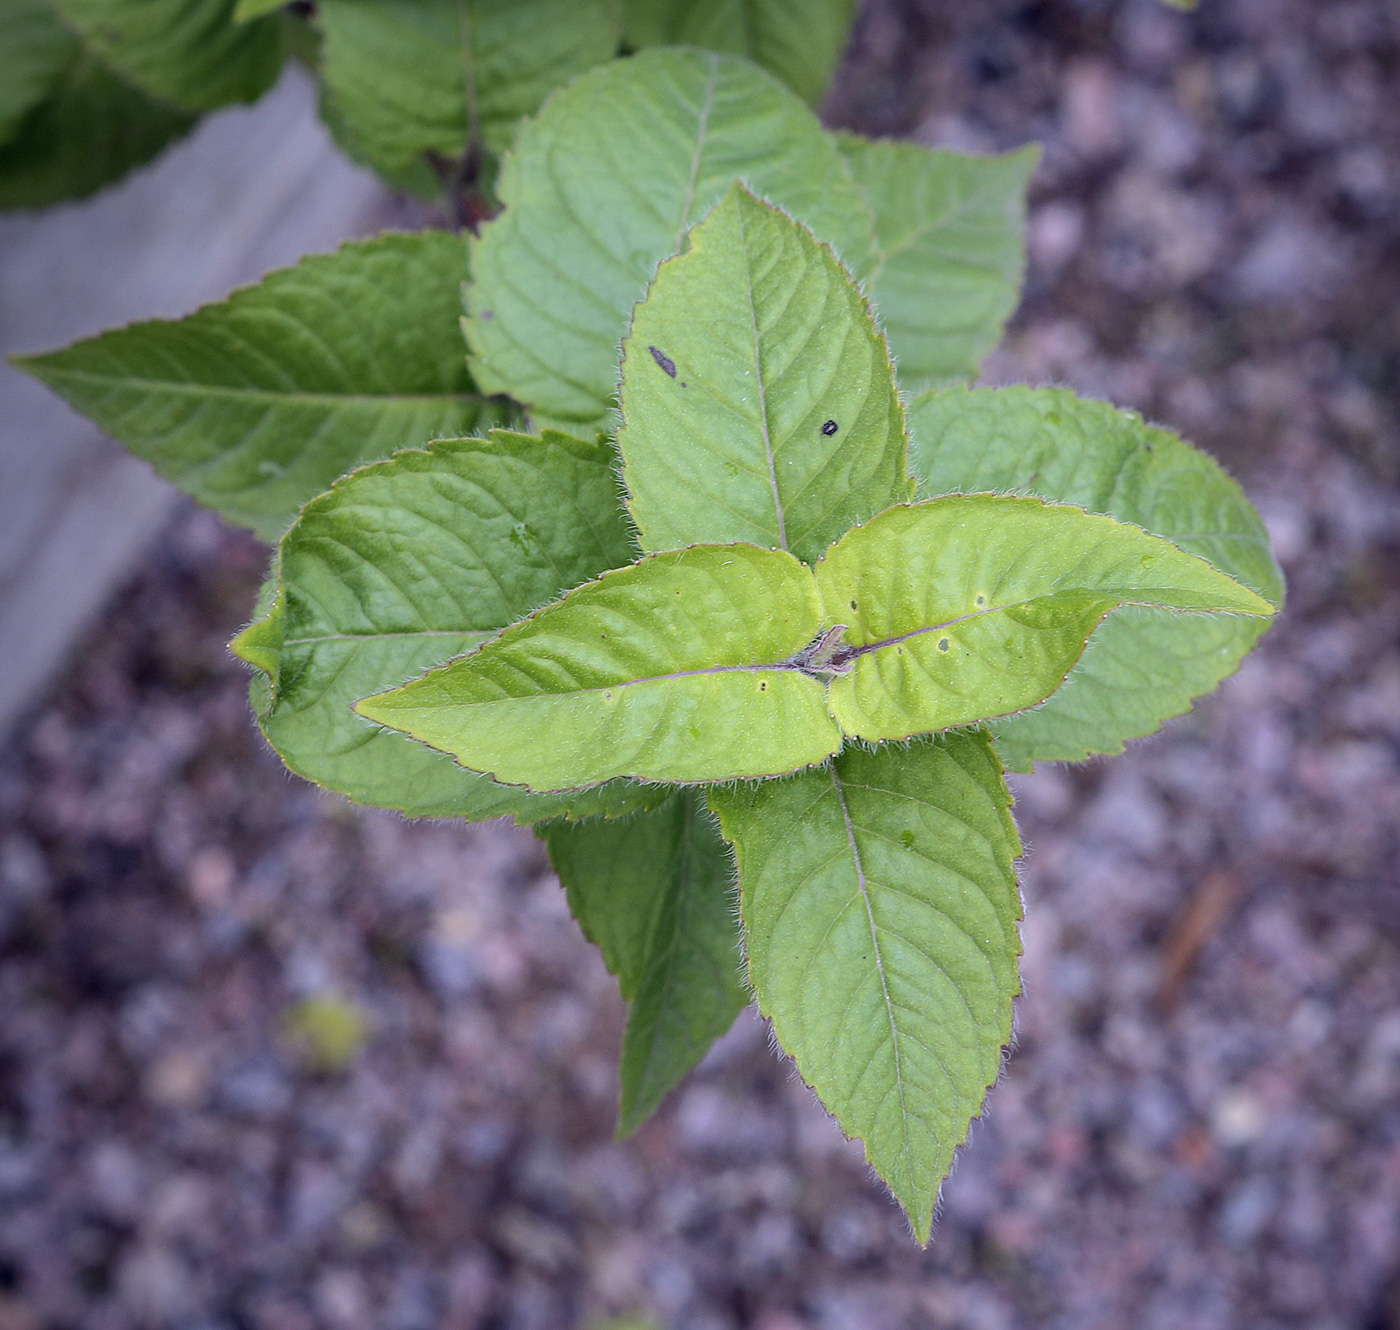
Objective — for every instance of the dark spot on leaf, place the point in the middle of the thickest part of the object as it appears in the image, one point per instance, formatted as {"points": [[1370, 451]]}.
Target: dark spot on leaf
{"points": [[830, 428], [663, 360], [763, 686], [486, 316], [981, 600], [853, 605], [906, 839], [943, 644]]}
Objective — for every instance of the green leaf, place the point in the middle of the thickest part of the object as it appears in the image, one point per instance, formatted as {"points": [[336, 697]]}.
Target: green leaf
{"points": [[189, 51], [951, 231], [35, 50], [677, 668], [880, 910], [654, 893], [91, 130], [798, 40], [415, 76], [402, 566], [758, 351], [606, 183], [247, 10], [256, 404], [972, 606], [418, 179], [1141, 666]]}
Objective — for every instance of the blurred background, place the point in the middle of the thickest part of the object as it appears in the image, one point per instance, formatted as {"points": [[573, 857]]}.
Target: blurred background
{"points": [[268, 1062]]}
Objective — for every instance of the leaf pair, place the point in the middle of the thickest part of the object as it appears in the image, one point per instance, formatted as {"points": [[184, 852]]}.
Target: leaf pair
{"points": [[689, 667]]}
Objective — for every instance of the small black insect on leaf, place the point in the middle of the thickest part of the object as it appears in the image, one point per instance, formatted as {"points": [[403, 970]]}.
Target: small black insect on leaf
{"points": [[663, 360], [830, 428]]}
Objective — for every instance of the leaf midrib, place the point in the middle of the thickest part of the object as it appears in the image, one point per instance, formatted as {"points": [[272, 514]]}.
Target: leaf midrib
{"points": [[778, 667], [1087, 593], [469, 92], [484, 633], [267, 394], [663, 944], [859, 865], [762, 388], [868, 647], [702, 132]]}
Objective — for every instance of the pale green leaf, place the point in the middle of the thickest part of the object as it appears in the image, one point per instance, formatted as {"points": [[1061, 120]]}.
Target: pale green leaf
{"points": [[35, 51], [880, 910], [654, 893], [606, 183], [1141, 666], [677, 668], [951, 230], [757, 396], [189, 51], [972, 606], [92, 129], [410, 77], [402, 566], [258, 403], [798, 40]]}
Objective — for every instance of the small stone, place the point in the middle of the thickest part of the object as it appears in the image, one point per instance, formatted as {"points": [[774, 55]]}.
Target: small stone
{"points": [[210, 877], [341, 1299], [1091, 110], [1237, 1118], [178, 1079], [1291, 259]]}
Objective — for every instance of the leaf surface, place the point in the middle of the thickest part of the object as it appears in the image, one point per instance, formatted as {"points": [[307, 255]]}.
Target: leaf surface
{"points": [[951, 235], [91, 130], [798, 40], [189, 51], [880, 918], [416, 76], [757, 395], [404, 565], [677, 668], [972, 606], [1141, 666], [35, 50], [605, 183], [258, 403], [654, 893], [247, 10]]}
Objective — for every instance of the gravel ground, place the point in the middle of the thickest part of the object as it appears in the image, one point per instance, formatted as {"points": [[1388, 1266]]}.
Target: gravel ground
{"points": [[271, 1063]]}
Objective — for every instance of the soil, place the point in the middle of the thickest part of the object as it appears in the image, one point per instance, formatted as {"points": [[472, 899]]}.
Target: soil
{"points": [[268, 1062]]}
